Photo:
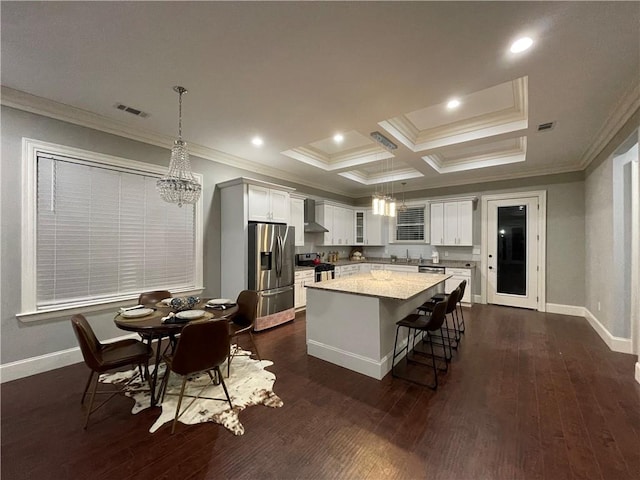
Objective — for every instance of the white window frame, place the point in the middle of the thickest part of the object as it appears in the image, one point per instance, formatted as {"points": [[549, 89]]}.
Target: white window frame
{"points": [[393, 223], [30, 150]]}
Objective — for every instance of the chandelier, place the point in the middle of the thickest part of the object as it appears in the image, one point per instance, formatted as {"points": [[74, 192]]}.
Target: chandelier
{"points": [[383, 203], [179, 185]]}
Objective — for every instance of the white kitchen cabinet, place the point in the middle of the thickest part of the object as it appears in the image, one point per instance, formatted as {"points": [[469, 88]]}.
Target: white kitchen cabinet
{"points": [[368, 228], [373, 229], [347, 229], [452, 223], [268, 204], [339, 221], [297, 219], [324, 216], [459, 274], [302, 278]]}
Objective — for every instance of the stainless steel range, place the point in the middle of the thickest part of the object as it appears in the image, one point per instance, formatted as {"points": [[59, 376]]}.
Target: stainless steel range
{"points": [[324, 271]]}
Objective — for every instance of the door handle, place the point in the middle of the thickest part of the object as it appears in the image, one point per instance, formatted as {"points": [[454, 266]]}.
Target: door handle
{"points": [[278, 254]]}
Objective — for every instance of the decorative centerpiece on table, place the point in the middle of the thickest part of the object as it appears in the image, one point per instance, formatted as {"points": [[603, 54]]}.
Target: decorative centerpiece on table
{"points": [[179, 304]]}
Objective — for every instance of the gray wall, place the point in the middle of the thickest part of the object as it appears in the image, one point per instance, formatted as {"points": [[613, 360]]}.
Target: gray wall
{"points": [[606, 225], [608, 245], [24, 340], [565, 229]]}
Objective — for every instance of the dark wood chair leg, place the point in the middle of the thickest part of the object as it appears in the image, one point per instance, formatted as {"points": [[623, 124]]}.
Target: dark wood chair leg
{"points": [[86, 388], [175, 419], [255, 347], [93, 397], [224, 386]]}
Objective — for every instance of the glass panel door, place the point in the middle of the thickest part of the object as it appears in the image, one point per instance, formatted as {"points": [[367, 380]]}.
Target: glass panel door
{"points": [[512, 250]]}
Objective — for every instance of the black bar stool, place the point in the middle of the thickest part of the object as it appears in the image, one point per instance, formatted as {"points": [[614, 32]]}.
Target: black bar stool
{"points": [[451, 301], [460, 317], [425, 324]]}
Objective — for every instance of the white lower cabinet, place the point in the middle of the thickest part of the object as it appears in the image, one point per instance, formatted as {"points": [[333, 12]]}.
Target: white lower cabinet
{"points": [[348, 270], [365, 268], [459, 274], [301, 279], [395, 268]]}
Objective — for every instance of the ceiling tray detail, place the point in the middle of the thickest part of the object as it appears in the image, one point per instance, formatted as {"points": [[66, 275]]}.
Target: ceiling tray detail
{"points": [[496, 110], [468, 157], [355, 149]]}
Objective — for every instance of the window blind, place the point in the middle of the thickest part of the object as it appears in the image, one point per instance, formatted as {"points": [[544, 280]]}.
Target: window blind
{"points": [[410, 224], [104, 232]]}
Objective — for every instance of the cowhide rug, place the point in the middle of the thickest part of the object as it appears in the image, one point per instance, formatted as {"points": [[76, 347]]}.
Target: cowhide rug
{"points": [[249, 384]]}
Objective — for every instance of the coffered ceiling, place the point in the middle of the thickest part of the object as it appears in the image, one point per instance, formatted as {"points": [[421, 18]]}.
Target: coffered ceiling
{"points": [[297, 73]]}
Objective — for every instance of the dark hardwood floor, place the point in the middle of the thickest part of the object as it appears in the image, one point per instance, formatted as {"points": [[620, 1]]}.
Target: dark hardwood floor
{"points": [[528, 395]]}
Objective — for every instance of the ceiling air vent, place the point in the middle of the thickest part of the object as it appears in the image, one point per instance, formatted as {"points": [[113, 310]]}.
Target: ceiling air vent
{"points": [[543, 127], [131, 110]]}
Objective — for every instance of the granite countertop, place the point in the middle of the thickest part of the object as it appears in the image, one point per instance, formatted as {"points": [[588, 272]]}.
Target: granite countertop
{"points": [[386, 261], [400, 285]]}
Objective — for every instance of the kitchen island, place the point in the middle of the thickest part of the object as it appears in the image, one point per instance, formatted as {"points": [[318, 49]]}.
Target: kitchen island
{"points": [[351, 321]]}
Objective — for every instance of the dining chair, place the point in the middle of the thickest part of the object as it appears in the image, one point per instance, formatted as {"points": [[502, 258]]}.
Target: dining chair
{"points": [[242, 322], [101, 358], [202, 347], [427, 324], [152, 298]]}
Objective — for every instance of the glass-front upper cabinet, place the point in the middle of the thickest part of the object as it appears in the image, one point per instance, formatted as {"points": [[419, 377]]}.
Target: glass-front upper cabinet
{"points": [[359, 225]]}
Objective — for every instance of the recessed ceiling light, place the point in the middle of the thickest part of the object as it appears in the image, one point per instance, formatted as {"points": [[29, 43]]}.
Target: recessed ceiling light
{"points": [[521, 45], [257, 141], [453, 103], [338, 138]]}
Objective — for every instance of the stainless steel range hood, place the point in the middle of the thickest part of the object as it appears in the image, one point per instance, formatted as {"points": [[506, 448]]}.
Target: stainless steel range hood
{"points": [[310, 225]]}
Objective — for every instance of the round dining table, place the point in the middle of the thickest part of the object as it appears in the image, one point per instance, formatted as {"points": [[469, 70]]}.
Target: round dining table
{"points": [[151, 327]]}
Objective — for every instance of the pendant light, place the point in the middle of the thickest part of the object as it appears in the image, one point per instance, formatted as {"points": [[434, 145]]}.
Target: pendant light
{"points": [[179, 185], [384, 203], [403, 207]]}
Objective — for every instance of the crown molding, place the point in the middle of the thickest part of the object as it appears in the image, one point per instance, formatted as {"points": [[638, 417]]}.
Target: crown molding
{"points": [[492, 159], [385, 177], [342, 161], [629, 103], [436, 182], [48, 108]]}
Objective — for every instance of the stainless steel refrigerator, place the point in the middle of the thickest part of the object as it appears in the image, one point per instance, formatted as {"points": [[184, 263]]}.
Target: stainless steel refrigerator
{"points": [[271, 271]]}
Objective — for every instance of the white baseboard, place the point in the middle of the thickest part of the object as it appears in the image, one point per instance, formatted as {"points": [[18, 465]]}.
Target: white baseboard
{"points": [[638, 372], [477, 299], [565, 309], [357, 363], [617, 344], [44, 363]]}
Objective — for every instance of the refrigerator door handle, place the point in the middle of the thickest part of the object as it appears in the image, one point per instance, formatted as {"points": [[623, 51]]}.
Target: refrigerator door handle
{"points": [[273, 293], [278, 256]]}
